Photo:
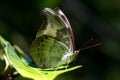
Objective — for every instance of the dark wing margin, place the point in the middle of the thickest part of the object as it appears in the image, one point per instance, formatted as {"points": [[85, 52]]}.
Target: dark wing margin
{"points": [[62, 16]]}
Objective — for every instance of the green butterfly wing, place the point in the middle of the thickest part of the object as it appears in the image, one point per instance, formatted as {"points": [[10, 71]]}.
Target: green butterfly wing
{"points": [[53, 45], [57, 26]]}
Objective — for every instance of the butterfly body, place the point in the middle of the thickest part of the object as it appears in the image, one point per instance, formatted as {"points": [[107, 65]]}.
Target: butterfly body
{"points": [[53, 45]]}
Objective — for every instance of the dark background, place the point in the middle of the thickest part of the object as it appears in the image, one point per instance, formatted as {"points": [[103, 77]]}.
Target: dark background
{"points": [[97, 19]]}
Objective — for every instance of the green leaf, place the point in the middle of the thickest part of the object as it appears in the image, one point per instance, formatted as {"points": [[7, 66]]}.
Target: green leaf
{"points": [[51, 75], [24, 69]]}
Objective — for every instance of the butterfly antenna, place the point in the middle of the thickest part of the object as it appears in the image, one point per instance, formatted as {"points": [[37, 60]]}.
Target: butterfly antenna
{"points": [[90, 46], [83, 47], [87, 43]]}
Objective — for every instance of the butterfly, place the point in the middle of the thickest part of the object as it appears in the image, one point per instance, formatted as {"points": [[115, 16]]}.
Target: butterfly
{"points": [[54, 42]]}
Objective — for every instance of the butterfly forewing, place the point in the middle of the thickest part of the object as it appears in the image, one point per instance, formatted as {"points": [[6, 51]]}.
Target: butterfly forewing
{"points": [[57, 27], [53, 40]]}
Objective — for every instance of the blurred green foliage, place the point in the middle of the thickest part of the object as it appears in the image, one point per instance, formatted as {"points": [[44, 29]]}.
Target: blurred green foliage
{"points": [[98, 19]]}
